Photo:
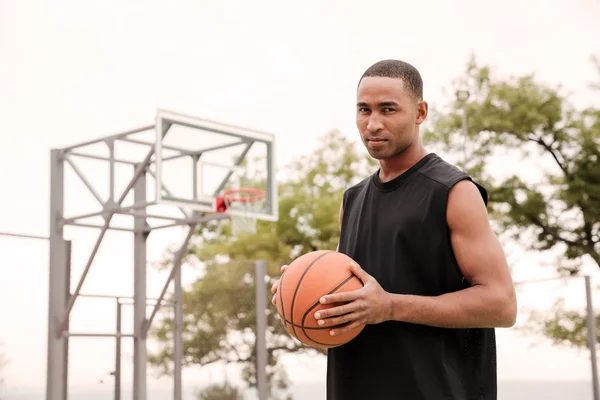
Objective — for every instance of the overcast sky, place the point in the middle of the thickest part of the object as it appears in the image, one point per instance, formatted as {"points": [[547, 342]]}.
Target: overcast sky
{"points": [[71, 71]]}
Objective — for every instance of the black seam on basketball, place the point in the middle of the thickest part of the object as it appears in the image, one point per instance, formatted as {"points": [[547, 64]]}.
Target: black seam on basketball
{"points": [[316, 304], [318, 328], [298, 288]]}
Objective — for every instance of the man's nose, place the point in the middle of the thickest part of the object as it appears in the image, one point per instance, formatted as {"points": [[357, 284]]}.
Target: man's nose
{"points": [[375, 124]]}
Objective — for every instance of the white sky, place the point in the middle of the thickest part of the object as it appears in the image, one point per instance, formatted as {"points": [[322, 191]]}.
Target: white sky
{"points": [[71, 71]]}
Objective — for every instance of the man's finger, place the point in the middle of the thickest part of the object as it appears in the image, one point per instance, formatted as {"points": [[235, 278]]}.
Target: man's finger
{"points": [[343, 319], [340, 297], [344, 329], [336, 311], [274, 287], [283, 268], [359, 272]]}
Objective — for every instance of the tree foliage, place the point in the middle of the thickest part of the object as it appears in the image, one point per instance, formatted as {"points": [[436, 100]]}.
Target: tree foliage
{"points": [[219, 307], [221, 391], [556, 211], [562, 326]]}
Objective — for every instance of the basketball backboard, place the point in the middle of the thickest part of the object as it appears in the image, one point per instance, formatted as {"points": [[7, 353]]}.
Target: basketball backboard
{"points": [[199, 163]]}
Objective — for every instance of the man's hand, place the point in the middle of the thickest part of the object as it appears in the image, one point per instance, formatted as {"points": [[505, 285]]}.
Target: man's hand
{"points": [[276, 285], [367, 305]]}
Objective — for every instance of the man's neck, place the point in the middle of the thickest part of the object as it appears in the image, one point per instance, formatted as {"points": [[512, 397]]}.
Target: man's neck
{"points": [[393, 167]]}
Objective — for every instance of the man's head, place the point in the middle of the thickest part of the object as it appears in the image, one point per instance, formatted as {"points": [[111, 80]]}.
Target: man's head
{"points": [[390, 107]]}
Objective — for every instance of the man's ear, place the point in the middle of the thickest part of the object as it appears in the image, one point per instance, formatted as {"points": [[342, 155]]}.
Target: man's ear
{"points": [[422, 111]]}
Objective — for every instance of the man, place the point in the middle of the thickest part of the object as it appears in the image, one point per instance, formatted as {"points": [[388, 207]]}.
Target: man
{"points": [[436, 280]]}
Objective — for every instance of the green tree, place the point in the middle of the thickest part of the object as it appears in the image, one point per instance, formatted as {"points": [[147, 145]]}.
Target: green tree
{"points": [[221, 391], [559, 211], [219, 308]]}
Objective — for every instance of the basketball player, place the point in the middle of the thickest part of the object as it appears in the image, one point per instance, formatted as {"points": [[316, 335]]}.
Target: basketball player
{"points": [[436, 280]]}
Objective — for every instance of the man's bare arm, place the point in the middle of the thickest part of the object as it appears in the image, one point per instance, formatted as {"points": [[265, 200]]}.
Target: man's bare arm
{"points": [[490, 301]]}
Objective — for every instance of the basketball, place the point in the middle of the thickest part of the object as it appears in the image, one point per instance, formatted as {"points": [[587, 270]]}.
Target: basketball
{"points": [[304, 282]]}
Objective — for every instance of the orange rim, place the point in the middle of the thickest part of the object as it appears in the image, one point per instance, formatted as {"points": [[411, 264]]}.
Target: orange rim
{"points": [[235, 195]]}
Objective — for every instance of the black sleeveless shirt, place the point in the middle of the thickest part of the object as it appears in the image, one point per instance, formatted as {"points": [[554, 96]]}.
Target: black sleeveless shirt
{"points": [[398, 233]]}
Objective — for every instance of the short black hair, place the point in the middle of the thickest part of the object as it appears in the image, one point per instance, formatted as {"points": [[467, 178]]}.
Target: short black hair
{"points": [[399, 70]]}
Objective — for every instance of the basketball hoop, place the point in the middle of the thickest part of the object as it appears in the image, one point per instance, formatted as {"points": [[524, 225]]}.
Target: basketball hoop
{"points": [[249, 202]]}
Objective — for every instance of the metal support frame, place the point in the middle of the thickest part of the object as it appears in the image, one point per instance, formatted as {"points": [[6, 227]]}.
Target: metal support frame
{"points": [[261, 329], [139, 295], [62, 299], [57, 363], [591, 335], [117, 371], [178, 334]]}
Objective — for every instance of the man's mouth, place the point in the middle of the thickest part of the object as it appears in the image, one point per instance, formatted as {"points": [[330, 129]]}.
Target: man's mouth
{"points": [[375, 143]]}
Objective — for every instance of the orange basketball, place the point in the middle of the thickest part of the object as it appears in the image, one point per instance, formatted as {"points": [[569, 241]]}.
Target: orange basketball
{"points": [[303, 283]]}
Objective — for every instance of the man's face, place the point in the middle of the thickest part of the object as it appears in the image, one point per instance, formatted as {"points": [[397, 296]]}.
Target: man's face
{"points": [[387, 116]]}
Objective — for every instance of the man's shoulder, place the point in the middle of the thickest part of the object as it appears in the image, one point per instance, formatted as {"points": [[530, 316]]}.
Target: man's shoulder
{"points": [[352, 193], [442, 172], [358, 186], [448, 175]]}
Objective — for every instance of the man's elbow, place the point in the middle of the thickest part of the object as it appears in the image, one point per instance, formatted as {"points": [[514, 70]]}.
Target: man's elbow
{"points": [[507, 308]]}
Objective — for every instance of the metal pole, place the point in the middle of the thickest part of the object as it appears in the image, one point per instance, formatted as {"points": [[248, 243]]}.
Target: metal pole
{"points": [[113, 137], [139, 173], [111, 149], [85, 181], [591, 334], [176, 264], [272, 198], [99, 334], [177, 335], [261, 328], [22, 235], [56, 369], [93, 157], [195, 159], [86, 270], [67, 296], [118, 354], [140, 355]]}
